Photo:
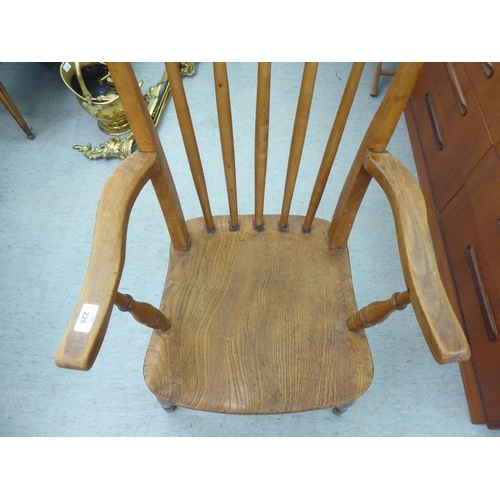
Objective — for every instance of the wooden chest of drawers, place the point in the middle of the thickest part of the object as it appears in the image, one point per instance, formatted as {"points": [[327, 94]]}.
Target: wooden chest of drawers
{"points": [[453, 120]]}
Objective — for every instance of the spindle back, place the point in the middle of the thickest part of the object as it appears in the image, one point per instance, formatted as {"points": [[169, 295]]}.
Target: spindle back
{"points": [[376, 139]]}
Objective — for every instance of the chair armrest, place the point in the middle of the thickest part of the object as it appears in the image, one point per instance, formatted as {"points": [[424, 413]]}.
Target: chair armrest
{"points": [[440, 326], [84, 335]]}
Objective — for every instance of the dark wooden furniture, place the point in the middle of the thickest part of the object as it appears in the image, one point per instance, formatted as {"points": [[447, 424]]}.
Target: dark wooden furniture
{"points": [[453, 119], [258, 315], [7, 101]]}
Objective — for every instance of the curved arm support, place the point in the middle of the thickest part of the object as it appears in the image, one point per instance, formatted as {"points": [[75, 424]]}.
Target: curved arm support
{"points": [[436, 318], [87, 327]]}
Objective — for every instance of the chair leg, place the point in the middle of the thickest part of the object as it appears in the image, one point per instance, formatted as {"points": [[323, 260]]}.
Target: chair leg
{"points": [[339, 410], [11, 107], [376, 78], [168, 407]]}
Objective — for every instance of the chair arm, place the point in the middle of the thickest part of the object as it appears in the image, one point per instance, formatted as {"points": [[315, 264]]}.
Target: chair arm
{"points": [[441, 329], [84, 335]]}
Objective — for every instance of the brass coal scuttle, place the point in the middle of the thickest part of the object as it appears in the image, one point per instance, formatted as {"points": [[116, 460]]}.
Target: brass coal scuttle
{"points": [[94, 89]]}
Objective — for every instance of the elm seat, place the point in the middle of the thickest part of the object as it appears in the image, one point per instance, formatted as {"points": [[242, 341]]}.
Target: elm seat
{"points": [[286, 322], [258, 315]]}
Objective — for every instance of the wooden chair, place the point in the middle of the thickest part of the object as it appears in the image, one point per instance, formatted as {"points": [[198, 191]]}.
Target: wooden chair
{"points": [[377, 73], [249, 323]]}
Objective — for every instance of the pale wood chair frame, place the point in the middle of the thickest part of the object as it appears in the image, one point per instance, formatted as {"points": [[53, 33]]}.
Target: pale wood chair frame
{"points": [[193, 240]]}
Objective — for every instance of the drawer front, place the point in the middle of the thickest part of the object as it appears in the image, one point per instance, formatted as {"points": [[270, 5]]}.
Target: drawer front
{"points": [[443, 181], [452, 130], [485, 78], [472, 234]]}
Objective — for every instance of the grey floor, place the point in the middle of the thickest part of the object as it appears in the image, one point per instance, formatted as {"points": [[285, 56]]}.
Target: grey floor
{"points": [[48, 198]]}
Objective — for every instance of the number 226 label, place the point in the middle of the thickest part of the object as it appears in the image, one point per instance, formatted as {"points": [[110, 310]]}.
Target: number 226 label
{"points": [[86, 318]]}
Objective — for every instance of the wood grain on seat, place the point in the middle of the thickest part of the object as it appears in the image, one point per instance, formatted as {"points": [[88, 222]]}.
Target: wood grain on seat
{"points": [[258, 322]]}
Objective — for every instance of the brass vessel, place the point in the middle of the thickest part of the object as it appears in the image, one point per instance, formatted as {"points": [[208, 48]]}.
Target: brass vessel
{"points": [[95, 91], [101, 101]]}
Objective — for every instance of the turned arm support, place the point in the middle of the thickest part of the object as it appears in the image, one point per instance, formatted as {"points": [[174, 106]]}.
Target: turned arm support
{"points": [[143, 313], [442, 331], [376, 312], [85, 332]]}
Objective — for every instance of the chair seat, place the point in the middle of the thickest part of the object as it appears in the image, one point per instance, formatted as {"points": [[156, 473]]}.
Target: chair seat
{"points": [[258, 322]]}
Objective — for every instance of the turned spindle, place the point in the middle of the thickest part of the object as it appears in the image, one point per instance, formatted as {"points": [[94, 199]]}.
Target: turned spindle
{"points": [[144, 313], [376, 312]]}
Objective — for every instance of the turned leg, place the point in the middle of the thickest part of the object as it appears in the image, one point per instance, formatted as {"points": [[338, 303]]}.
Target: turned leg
{"points": [[168, 407], [339, 410], [376, 78]]}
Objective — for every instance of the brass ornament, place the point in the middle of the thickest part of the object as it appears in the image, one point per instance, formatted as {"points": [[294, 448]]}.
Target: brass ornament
{"points": [[107, 109], [100, 101]]}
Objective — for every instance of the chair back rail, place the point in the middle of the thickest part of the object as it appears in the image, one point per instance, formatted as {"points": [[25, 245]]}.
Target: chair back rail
{"points": [[226, 137], [298, 137], [189, 138], [333, 142], [376, 139], [147, 140], [261, 137]]}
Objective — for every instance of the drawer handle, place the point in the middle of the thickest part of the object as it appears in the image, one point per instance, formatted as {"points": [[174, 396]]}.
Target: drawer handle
{"points": [[457, 88], [434, 122], [488, 69], [484, 303]]}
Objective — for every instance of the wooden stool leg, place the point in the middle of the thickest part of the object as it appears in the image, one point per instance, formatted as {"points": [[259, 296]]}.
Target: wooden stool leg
{"points": [[11, 107], [168, 407], [339, 410], [376, 78]]}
